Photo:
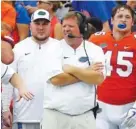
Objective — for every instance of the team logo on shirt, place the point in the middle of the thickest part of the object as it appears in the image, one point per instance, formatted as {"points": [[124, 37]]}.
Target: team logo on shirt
{"points": [[83, 59], [103, 45]]}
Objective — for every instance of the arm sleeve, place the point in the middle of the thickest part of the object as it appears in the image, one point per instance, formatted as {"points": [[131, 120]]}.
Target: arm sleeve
{"points": [[7, 92], [7, 89], [6, 73]]}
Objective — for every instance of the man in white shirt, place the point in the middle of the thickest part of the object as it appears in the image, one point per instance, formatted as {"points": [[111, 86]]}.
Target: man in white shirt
{"points": [[70, 96], [8, 75], [31, 56]]}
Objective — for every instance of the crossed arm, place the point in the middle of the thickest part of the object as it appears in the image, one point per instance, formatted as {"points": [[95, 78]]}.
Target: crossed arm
{"points": [[91, 75]]}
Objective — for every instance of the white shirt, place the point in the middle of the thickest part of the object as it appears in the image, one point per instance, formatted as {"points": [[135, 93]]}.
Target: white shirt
{"points": [[79, 97], [30, 63], [6, 73]]}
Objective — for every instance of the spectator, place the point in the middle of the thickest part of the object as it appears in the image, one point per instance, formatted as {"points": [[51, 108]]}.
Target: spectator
{"points": [[117, 93], [22, 23], [31, 56], [132, 4], [51, 7], [8, 18], [70, 92], [63, 9], [101, 11], [29, 5]]}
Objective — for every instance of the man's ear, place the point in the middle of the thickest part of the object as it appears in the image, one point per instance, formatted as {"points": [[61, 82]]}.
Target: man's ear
{"points": [[30, 26], [112, 21], [132, 22]]}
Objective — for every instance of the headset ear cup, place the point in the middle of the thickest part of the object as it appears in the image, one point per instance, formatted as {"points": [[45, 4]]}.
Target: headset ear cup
{"points": [[82, 18]]}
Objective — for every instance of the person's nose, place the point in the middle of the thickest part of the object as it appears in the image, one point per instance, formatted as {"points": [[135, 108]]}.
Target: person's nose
{"points": [[67, 28], [124, 19], [40, 27]]}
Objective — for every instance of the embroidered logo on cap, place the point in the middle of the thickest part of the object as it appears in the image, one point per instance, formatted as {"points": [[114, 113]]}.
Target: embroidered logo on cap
{"points": [[41, 13]]}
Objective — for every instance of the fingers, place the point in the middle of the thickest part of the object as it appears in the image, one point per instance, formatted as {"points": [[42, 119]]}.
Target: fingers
{"points": [[27, 96], [7, 123], [7, 120], [97, 67], [130, 123]]}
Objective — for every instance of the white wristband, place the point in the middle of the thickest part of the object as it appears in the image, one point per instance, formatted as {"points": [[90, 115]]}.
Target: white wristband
{"points": [[5, 109]]}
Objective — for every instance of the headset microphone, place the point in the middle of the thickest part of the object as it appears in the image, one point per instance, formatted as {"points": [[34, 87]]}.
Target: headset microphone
{"points": [[72, 36]]}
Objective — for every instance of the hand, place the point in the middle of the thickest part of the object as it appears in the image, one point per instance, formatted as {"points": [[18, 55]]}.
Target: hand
{"points": [[98, 66], [7, 118], [24, 93], [86, 13], [30, 9], [130, 120]]}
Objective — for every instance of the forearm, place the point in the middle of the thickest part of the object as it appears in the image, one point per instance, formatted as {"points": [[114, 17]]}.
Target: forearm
{"points": [[63, 79], [88, 76], [16, 81], [7, 55]]}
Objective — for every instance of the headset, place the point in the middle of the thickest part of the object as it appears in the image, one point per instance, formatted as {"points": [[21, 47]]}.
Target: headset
{"points": [[82, 22], [83, 27]]}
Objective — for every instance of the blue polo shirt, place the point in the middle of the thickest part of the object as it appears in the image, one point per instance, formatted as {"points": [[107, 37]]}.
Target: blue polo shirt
{"points": [[31, 3], [22, 14]]}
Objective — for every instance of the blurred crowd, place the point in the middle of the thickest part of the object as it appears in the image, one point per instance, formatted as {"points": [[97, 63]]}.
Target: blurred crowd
{"points": [[15, 15]]}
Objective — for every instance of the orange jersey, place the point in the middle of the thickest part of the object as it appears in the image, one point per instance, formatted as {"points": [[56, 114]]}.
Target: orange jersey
{"points": [[120, 85], [54, 21], [8, 16]]}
